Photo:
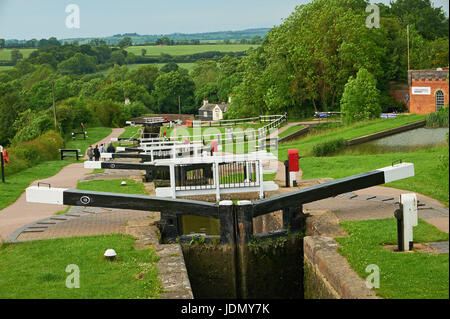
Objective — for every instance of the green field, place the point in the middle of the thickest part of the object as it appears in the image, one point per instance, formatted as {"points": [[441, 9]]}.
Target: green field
{"points": [[402, 275], [37, 269], [189, 49], [5, 54]]}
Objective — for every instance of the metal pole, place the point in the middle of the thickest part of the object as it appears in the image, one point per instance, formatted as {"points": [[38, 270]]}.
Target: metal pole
{"points": [[407, 38]]}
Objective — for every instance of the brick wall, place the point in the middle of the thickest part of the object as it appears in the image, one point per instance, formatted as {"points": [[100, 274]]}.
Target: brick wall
{"points": [[435, 80], [424, 104]]}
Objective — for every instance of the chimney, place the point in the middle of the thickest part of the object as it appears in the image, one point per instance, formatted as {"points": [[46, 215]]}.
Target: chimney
{"points": [[205, 101], [229, 98]]}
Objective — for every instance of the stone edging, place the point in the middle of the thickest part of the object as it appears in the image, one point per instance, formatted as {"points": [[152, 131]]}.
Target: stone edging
{"points": [[334, 279], [328, 274], [392, 131]]}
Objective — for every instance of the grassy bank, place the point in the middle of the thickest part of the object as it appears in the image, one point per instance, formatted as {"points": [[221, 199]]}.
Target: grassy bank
{"points": [[402, 275], [16, 183], [306, 144], [131, 132], [431, 178], [291, 130], [113, 186], [37, 269]]}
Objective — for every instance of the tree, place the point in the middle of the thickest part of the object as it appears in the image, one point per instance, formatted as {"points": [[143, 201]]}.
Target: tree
{"points": [[16, 55], [143, 52], [118, 57], [125, 42], [204, 72], [431, 22], [304, 63], [2, 43], [145, 76], [78, 64], [361, 98], [169, 67], [170, 86]]}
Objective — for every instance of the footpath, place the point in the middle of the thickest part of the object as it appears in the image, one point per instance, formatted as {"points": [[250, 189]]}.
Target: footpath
{"points": [[21, 213]]}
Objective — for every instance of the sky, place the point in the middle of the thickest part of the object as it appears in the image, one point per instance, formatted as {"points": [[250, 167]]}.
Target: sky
{"points": [[27, 19]]}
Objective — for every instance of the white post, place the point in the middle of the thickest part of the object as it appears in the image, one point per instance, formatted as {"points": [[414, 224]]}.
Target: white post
{"points": [[261, 179], [410, 218], [216, 179], [172, 180]]}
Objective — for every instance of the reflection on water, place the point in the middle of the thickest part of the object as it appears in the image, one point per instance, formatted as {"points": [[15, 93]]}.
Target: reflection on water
{"points": [[409, 141], [200, 225]]}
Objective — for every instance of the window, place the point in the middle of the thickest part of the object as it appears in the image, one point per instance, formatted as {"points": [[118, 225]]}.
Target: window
{"points": [[439, 99], [205, 113]]}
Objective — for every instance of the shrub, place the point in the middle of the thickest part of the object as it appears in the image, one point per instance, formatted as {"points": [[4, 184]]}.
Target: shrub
{"points": [[329, 147], [438, 119], [361, 98], [26, 154]]}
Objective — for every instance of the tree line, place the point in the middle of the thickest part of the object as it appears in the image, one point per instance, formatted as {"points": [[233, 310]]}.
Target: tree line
{"points": [[305, 63]]}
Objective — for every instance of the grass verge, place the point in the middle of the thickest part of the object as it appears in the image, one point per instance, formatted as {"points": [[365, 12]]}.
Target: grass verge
{"points": [[16, 183], [402, 275], [37, 269], [430, 178], [113, 186]]}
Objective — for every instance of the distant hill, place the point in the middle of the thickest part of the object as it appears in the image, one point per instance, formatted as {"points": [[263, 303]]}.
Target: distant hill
{"points": [[206, 36]]}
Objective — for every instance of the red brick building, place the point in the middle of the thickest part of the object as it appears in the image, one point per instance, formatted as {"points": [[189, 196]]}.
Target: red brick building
{"points": [[428, 90]]}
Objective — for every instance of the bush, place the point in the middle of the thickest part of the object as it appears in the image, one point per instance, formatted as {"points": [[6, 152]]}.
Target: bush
{"points": [[27, 154], [329, 147], [361, 98], [438, 119]]}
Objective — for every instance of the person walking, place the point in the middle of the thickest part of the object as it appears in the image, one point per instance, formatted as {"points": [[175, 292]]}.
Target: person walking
{"points": [[90, 153], [102, 148], [96, 153], [111, 148]]}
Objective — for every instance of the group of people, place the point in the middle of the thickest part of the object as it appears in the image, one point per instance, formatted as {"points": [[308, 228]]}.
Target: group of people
{"points": [[95, 153]]}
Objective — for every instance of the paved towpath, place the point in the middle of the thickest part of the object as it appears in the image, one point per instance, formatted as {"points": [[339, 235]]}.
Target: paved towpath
{"points": [[21, 213]]}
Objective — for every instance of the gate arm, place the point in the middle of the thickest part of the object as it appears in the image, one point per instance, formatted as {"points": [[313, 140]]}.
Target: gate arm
{"points": [[334, 188], [74, 197]]}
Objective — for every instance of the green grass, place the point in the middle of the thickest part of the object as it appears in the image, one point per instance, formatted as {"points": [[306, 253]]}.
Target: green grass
{"points": [[16, 183], [290, 130], [5, 67], [5, 54], [402, 275], [113, 186], [305, 144], [37, 269], [131, 132], [62, 212], [430, 179], [95, 134], [189, 49]]}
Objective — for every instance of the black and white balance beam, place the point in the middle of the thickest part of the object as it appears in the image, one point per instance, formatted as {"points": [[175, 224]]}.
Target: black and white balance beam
{"points": [[64, 196]]}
